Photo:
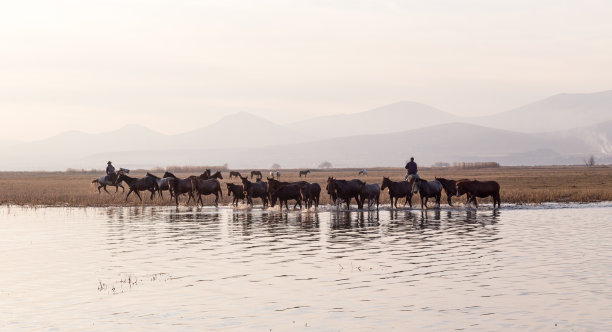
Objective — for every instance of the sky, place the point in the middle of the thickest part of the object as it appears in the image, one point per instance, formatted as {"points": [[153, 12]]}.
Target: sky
{"points": [[178, 65]]}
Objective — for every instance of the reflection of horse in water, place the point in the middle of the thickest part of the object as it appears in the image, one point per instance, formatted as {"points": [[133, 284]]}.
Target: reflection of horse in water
{"points": [[108, 180], [363, 172]]}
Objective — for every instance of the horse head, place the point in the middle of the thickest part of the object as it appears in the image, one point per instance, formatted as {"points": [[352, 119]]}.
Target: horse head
{"points": [[169, 175]]}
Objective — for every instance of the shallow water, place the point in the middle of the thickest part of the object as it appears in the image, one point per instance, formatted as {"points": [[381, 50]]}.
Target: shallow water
{"points": [[203, 269]]}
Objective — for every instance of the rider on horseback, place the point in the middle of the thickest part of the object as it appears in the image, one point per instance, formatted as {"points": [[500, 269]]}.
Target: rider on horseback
{"points": [[110, 172], [411, 171]]}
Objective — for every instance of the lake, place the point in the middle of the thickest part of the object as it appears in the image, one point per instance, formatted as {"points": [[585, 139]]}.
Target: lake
{"points": [[159, 268]]}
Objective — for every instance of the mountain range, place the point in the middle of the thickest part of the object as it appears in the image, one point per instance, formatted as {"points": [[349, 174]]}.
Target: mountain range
{"points": [[562, 129]]}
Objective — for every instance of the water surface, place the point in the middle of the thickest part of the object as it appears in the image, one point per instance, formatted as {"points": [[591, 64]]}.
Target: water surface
{"points": [[203, 269]]}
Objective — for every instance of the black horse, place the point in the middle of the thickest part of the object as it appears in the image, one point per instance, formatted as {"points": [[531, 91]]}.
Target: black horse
{"points": [[345, 190], [255, 190], [428, 189], [234, 174], [372, 193], [206, 175], [206, 187], [138, 184], [285, 193], [397, 190], [237, 190], [179, 186], [257, 174], [305, 173], [311, 192]]}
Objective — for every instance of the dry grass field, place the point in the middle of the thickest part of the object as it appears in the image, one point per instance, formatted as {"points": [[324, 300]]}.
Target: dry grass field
{"points": [[520, 185]]}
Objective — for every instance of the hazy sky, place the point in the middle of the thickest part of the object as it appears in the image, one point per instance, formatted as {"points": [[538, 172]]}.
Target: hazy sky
{"points": [[178, 65]]}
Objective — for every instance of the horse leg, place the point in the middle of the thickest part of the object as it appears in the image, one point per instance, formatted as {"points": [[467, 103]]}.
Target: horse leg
{"points": [[99, 192], [138, 194], [448, 198], [122, 188], [216, 200], [128, 195]]}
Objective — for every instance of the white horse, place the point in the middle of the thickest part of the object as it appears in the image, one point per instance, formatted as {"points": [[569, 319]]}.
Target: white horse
{"points": [[363, 172], [107, 180]]}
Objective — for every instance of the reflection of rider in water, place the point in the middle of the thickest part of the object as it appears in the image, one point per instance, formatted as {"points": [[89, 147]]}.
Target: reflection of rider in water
{"points": [[110, 171], [411, 171]]}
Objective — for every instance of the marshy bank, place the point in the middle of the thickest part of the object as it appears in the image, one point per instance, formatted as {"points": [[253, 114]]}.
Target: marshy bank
{"points": [[519, 185]]}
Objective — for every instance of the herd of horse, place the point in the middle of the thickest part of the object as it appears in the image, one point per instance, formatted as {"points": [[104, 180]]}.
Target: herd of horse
{"points": [[273, 190]]}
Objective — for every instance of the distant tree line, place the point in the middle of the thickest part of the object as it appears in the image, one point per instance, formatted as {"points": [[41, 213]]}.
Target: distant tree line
{"points": [[464, 165]]}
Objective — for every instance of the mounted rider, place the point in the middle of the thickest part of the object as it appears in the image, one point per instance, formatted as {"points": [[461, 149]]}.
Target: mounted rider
{"points": [[110, 172], [411, 171]]}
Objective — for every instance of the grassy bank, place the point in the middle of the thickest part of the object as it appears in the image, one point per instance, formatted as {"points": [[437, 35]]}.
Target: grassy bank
{"points": [[520, 185]]}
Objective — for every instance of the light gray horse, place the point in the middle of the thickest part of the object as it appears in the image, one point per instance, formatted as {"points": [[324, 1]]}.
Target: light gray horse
{"points": [[108, 180]]}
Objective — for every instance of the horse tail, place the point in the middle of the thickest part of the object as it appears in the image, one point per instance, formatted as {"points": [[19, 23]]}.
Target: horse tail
{"points": [[95, 181]]}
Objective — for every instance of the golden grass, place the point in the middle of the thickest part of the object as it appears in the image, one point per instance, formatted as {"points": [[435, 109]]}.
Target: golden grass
{"points": [[520, 185]]}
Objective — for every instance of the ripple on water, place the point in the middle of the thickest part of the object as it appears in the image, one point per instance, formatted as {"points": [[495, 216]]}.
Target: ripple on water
{"points": [[157, 268]]}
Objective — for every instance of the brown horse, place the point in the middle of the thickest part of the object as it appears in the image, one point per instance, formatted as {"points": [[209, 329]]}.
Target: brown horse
{"points": [[305, 173], [257, 174], [479, 189], [206, 187]]}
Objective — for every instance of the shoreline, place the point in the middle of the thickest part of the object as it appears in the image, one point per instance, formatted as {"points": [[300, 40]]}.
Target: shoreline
{"points": [[519, 185]]}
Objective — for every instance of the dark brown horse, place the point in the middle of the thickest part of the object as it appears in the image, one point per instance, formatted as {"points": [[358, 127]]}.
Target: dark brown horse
{"points": [[275, 184], [450, 188], [479, 189], [311, 192], [397, 190], [234, 174], [345, 190], [237, 190], [206, 187], [284, 194], [305, 173], [257, 174], [255, 190], [179, 187], [138, 184]]}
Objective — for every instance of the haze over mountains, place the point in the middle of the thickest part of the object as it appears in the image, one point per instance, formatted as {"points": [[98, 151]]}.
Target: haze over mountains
{"points": [[562, 129]]}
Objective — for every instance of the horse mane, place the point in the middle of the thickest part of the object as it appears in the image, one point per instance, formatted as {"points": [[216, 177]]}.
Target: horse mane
{"points": [[153, 176]]}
